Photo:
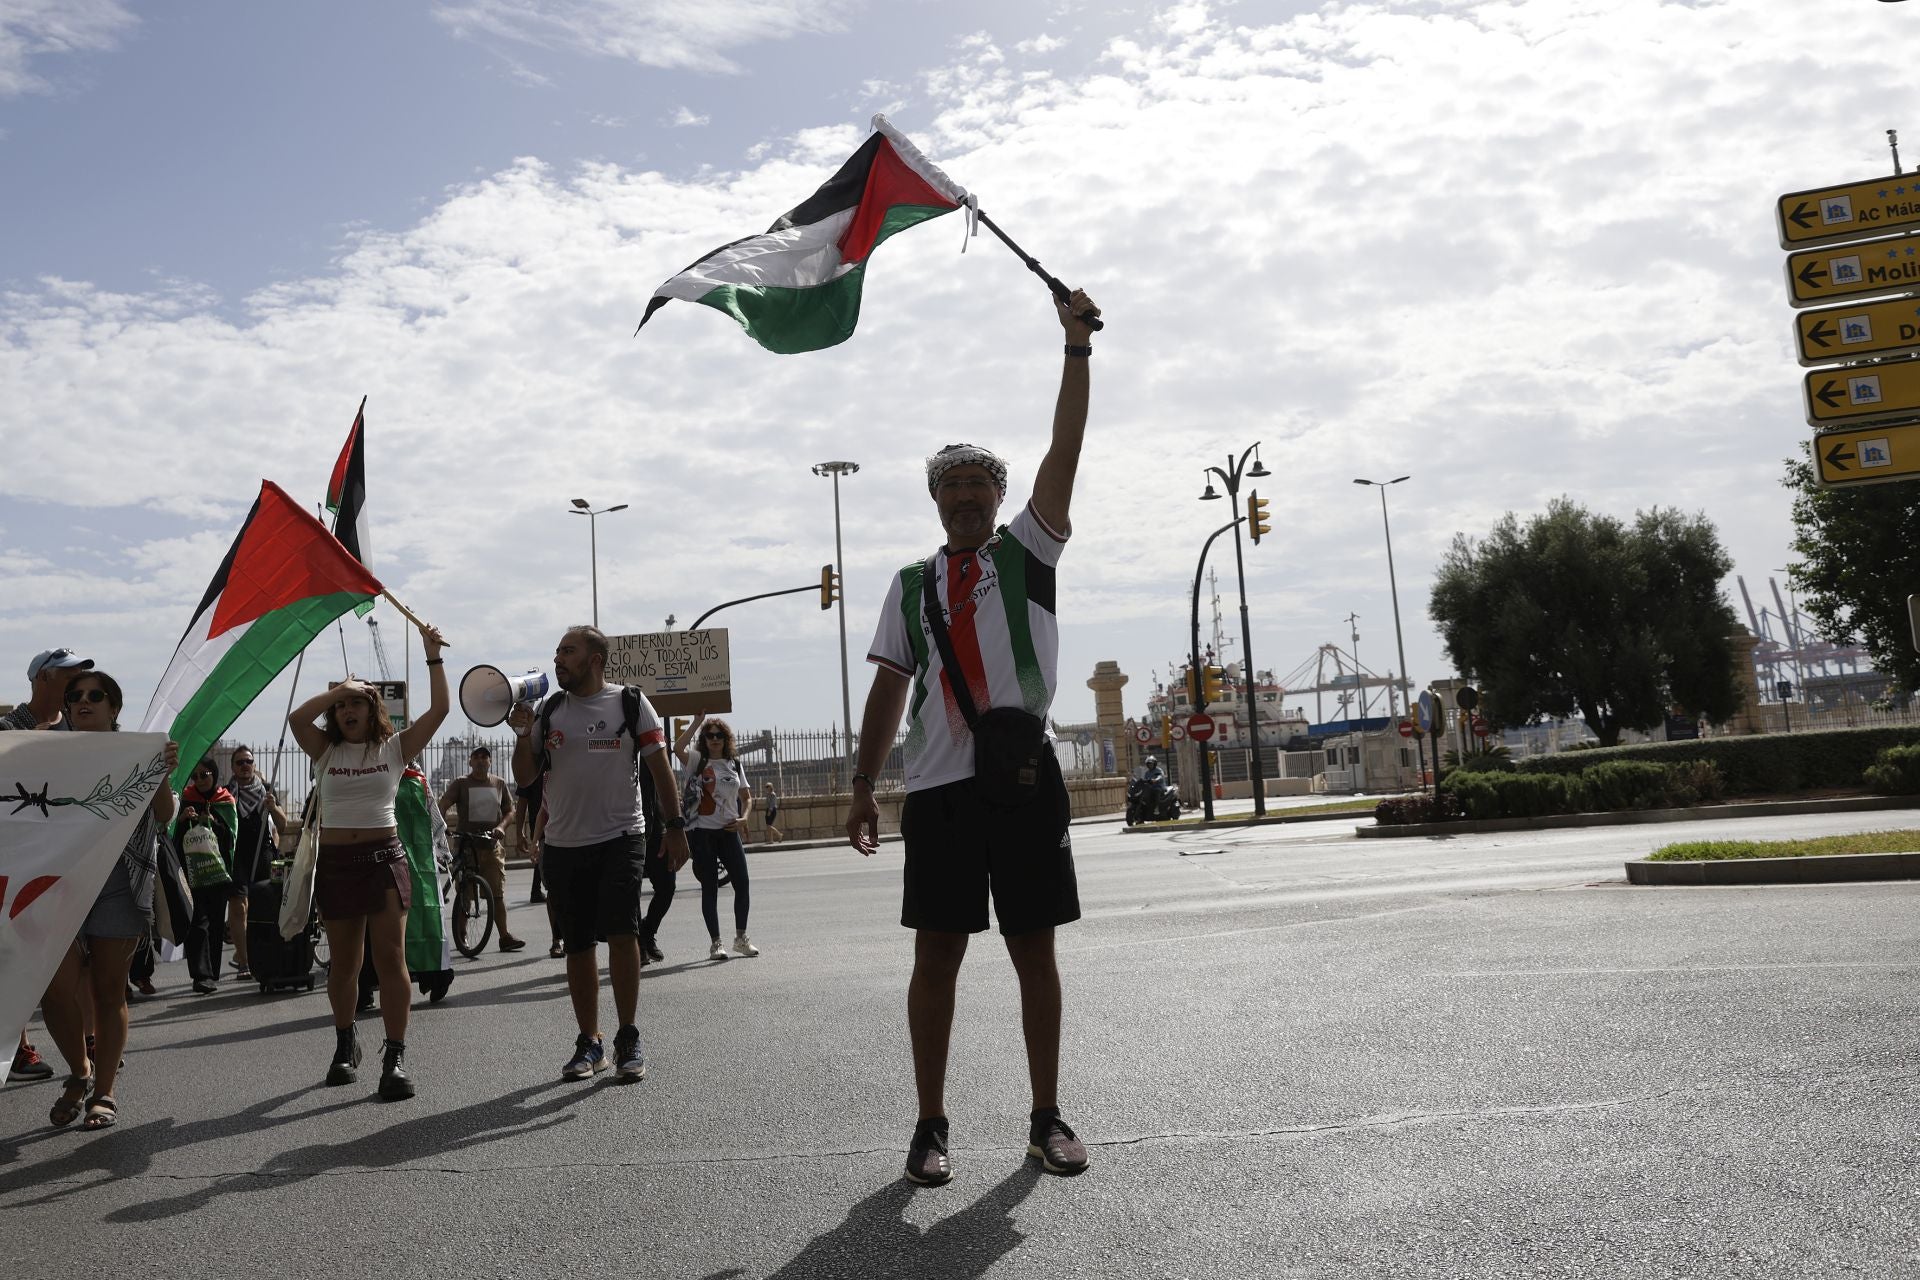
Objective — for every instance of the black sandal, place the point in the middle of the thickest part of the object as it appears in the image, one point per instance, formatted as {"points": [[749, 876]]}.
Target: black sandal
{"points": [[102, 1111], [66, 1109]]}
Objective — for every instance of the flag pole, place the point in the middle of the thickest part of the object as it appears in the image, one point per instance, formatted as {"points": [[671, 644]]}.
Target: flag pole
{"points": [[1059, 290], [405, 612], [280, 751]]}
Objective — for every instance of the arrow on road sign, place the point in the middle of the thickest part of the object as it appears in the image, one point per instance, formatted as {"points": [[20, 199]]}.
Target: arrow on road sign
{"points": [[1888, 327], [1820, 333], [1882, 391], [1802, 215], [1869, 455], [1831, 394], [1848, 211], [1890, 264], [1840, 455], [1812, 274]]}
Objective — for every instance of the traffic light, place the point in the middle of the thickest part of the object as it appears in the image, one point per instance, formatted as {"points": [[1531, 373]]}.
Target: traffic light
{"points": [[1166, 733], [829, 586], [1193, 688], [1210, 687], [1257, 516]]}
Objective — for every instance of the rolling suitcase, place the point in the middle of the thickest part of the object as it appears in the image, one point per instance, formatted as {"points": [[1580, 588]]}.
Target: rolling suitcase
{"points": [[279, 964]]}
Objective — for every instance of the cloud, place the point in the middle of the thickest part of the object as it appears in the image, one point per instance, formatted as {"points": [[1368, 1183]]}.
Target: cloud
{"points": [[1040, 45], [31, 29], [1516, 250], [653, 33], [684, 117]]}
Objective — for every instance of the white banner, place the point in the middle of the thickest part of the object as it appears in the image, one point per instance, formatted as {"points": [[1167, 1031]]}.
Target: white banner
{"points": [[68, 803]]}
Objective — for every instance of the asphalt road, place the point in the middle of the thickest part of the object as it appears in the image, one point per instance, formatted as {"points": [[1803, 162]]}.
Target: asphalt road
{"points": [[1293, 1053]]}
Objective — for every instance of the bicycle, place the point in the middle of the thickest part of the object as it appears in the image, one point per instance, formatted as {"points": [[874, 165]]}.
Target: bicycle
{"points": [[470, 897]]}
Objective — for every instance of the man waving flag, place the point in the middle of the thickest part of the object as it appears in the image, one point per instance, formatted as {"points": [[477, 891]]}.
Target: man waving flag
{"points": [[797, 287]]}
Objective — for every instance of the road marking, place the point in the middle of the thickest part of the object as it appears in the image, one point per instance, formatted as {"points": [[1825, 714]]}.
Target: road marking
{"points": [[1678, 968]]}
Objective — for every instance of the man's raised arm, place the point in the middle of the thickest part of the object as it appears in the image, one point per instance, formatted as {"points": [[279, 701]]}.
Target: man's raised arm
{"points": [[1053, 486]]}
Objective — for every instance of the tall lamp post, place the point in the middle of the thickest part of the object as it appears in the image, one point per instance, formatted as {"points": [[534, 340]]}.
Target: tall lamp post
{"points": [[581, 507], [836, 470], [1394, 587], [1231, 478]]}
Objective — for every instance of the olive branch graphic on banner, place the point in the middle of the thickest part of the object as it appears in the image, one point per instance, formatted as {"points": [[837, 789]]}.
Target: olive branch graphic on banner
{"points": [[106, 800]]}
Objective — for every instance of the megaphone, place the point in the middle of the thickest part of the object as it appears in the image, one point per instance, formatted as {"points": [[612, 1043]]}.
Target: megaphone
{"points": [[487, 693]]}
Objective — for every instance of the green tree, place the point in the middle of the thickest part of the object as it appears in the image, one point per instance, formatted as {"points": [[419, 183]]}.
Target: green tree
{"points": [[1576, 613], [1857, 556]]}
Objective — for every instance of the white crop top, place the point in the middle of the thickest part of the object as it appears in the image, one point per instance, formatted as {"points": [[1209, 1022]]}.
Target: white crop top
{"points": [[359, 784]]}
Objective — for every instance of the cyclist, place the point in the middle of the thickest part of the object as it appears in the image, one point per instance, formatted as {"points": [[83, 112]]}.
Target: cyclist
{"points": [[480, 806]]}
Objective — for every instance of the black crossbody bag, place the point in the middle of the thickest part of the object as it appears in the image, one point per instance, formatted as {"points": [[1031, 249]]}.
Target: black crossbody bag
{"points": [[1008, 742]]}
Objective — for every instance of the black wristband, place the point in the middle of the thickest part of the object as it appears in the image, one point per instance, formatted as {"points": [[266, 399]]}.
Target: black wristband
{"points": [[677, 822], [1081, 352], [436, 662], [861, 777]]}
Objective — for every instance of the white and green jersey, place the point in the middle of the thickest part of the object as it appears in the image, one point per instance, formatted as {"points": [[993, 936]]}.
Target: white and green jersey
{"points": [[998, 602]]}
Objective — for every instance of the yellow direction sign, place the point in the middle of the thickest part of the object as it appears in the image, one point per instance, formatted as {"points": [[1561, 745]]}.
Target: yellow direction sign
{"points": [[1857, 331], [1841, 271], [1830, 214], [1874, 456], [1863, 393]]}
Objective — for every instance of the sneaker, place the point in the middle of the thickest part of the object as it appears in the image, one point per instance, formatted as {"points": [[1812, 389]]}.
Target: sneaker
{"points": [[146, 986], [927, 1162], [650, 950], [718, 951], [512, 944], [630, 1063], [744, 945], [589, 1057], [29, 1065], [395, 1085], [1054, 1145], [346, 1057], [205, 986]]}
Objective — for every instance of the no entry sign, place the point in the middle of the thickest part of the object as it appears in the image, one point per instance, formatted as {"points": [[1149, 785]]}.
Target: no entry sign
{"points": [[1200, 726]]}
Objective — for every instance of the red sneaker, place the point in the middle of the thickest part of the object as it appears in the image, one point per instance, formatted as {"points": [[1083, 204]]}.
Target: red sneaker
{"points": [[29, 1065]]}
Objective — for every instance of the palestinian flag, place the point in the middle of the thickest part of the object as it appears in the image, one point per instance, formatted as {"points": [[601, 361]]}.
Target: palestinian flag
{"points": [[797, 288], [347, 493], [283, 580]]}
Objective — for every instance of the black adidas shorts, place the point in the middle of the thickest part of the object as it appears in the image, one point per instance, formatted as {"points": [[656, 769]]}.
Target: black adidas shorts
{"points": [[960, 851]]}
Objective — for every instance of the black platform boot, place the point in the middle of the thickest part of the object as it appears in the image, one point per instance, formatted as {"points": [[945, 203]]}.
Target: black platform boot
{"points": [[394, 1084], [346, 1057]]}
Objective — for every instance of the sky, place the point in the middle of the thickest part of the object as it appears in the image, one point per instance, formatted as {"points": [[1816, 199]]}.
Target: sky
{"points": [[1512, 249]]}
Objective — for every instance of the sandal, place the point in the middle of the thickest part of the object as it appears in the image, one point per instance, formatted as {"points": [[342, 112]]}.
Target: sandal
{"points": [[102, 1111], [556, 952], [67, 1108]]}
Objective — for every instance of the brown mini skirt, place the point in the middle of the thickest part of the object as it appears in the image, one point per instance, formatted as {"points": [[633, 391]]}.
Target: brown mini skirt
{"points": [[353, 880]]}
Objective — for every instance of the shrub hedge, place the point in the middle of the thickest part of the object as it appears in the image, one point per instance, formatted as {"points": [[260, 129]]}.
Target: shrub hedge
{"points": [[1755, 764], [1896, 772], [1609, 785]]}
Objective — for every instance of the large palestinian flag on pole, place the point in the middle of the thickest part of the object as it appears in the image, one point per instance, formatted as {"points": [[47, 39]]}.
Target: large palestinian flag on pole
{"points": [[284, 579], [347, 493], [797, 287]]}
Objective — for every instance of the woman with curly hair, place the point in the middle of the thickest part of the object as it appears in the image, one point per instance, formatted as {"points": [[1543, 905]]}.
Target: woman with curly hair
{"points": [[362, 883], [721, 800]]}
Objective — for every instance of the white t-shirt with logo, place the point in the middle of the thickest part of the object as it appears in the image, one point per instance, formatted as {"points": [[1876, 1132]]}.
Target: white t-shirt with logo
{"points": [[716, 793], [998, 603], [591, 796]]}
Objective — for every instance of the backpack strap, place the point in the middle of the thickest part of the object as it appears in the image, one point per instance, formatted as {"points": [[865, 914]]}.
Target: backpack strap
{"points": [[949, 665], [545, 729]]}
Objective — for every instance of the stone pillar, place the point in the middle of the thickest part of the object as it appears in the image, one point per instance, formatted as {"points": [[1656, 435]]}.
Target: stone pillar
{"points": [[1747, 719], [1108, 715]]}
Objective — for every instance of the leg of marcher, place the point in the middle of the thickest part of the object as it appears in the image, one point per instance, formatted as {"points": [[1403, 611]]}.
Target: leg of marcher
{"points": [[930, 995], [623, 970], [583, 988], [735, 854], [346, 943], [107, 977], [493, 869], [237, 929], [388, 931], [1034, 962], [60, 1007]]}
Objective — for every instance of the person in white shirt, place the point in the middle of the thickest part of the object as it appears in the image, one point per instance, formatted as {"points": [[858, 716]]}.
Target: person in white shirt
{"points": [[721, 800], [362, 885]]}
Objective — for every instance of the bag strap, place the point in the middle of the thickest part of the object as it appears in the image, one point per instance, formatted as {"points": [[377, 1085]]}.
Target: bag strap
{"points": [[937, 623]]}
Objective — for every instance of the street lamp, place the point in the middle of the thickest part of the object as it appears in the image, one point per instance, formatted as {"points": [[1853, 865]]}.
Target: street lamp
{"points": [[1394, 587], [581, 507], [836, 470], [1231, 478]]}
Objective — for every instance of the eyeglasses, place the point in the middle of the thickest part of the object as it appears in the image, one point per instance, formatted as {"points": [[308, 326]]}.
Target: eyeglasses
{"points": [[90, 695], [238, 763], [713, 733]]}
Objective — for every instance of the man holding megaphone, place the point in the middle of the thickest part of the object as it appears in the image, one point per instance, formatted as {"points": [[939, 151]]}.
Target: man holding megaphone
{"points": [[588, 739]]}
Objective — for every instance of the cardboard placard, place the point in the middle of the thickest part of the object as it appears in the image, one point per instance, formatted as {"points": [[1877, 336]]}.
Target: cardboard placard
{"points": [[681, 672]]}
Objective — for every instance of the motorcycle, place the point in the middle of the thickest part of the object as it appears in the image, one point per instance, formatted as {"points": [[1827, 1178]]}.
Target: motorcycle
{"points": [[1151, 800]]}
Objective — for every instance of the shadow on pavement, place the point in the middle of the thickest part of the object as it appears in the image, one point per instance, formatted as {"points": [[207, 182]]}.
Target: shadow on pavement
{"points": [[129, 1150], [876, 1240]]}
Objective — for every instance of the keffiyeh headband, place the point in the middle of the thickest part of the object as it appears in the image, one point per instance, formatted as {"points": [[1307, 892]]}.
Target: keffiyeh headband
{"points": [[966, 455]]}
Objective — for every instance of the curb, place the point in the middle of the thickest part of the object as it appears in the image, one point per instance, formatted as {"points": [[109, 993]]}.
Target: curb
{"points": [[1218, 824], [1627, 818], [1818, 869]]}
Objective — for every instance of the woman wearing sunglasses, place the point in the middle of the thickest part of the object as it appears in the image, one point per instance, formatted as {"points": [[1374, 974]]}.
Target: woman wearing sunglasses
{"points": [[721, 801], [363, 884], [261, 821], [94, 972]]}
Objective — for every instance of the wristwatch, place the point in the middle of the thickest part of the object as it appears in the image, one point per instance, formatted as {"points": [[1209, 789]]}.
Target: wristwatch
{"points": [[677, 822]]}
